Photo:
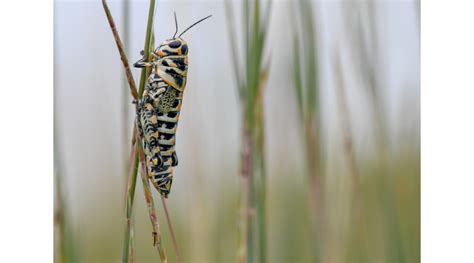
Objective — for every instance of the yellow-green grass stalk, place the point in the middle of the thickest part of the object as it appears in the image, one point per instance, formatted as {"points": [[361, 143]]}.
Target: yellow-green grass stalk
{"points": [[128, 252], [307, 89], [128, 247], [250, 84]]}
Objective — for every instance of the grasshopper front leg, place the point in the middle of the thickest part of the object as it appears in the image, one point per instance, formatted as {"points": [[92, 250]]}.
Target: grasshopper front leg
{"points": [[143, 62]]}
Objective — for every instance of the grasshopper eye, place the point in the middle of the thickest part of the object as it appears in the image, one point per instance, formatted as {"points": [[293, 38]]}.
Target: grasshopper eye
{"points": [[175, 44]]}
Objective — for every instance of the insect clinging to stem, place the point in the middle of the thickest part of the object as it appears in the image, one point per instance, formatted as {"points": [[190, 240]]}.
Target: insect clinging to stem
{"points": [[160, 107]]}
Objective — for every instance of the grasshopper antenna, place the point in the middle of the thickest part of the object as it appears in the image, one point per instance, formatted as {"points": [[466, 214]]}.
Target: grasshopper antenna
{"points": [[194, 25], [176, 24]]}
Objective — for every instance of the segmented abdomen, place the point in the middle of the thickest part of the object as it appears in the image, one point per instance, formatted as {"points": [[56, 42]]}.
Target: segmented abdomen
{"points": [[158, 120]]}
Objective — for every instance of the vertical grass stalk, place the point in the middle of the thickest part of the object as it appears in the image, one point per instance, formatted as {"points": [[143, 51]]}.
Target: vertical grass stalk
{"points": [[125, 95], [357, 205], [127, 255], [306, 77], [250, 84], [367, 54], [128, 246]]}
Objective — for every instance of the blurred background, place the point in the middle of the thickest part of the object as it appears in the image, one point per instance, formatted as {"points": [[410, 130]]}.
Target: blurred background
{"points": [[366, 57]]}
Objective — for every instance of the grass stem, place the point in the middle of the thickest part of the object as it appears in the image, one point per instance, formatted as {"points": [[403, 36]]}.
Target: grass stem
{"points": [[128, 252], [125, 120], [151, 207], [170, 226], [307, 89], [250, 85], [357, 201], [123, 56]]}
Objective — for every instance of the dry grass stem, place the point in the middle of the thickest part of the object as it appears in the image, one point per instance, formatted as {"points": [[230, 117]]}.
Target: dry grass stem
{"points": [[170, 226], [357, 203], [131, 182], [346, 126], [151, 207], [123, 56]]}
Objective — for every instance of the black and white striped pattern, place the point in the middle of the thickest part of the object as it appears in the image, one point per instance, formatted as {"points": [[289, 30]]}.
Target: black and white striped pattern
{"points": [[157, 124]]}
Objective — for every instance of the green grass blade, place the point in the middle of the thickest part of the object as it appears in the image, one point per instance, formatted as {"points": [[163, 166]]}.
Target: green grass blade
{"points": [[128, 244], [234, 48]]}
